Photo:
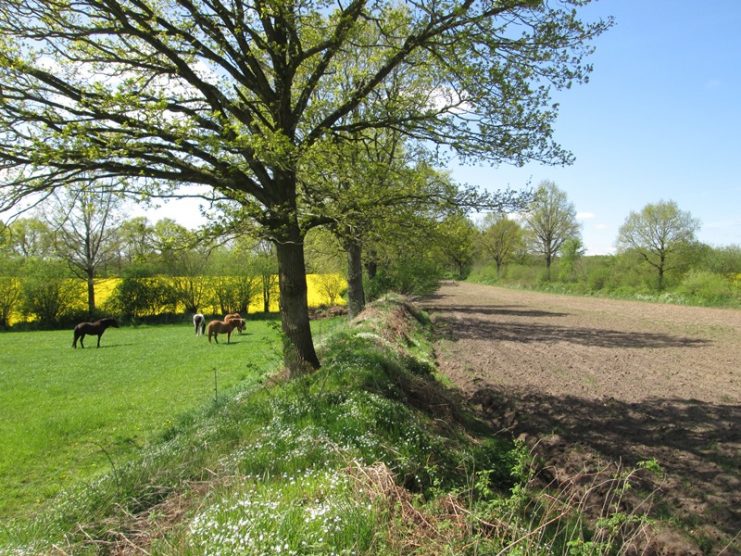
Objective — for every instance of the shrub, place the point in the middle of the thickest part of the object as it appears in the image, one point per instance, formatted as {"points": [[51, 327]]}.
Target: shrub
{"points": [[598, 278], [234, 293], [486, 274], [140, 296], [410, 277], [49, 295], [706, 287], [10, 297]]}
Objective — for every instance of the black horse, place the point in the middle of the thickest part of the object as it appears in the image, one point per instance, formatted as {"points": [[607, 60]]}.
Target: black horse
{"points": [[97, 328]]}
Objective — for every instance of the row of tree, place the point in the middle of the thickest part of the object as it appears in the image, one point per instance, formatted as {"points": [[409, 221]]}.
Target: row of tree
{"points": [[660, 238], [285, 114], [168, 265]]}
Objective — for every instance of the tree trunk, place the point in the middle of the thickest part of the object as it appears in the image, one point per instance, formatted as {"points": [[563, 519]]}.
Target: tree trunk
{"points": [[266, 285], [298, 347], [548, 266], [90, 293], [371, 266], [355, 292]]}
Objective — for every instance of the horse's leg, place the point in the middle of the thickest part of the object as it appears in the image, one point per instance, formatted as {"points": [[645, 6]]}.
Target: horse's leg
{"points": [[99, 335], [82, 338], [229, 337], [74, 340]]}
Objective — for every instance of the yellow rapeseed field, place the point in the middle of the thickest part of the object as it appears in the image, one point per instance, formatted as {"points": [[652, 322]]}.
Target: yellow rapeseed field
{"points": [[324, 289]]}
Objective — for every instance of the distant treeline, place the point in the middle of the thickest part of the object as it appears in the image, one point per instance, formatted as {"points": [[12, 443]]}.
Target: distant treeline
{"points": [[699, 275]]}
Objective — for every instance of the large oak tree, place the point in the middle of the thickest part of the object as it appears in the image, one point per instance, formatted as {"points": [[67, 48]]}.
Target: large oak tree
{"points": [[232, 95]]}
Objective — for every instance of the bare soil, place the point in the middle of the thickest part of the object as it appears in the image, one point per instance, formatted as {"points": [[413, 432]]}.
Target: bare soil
{"points": [[588, 380]]}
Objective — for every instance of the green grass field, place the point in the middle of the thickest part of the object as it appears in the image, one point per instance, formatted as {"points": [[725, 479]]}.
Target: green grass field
{"points": [[67, 414]]}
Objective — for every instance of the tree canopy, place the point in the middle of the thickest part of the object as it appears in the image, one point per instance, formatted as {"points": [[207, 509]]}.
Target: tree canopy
{"points": [[551, 221], [233, 95], [500, 239], [656, 232]]}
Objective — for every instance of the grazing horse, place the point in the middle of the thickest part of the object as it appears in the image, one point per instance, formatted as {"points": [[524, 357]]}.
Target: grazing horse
{"points": [[93, 328], [215, 327], [199, 323], [235, 316]]}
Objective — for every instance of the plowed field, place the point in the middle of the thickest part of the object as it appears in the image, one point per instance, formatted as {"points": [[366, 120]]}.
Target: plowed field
{"points": [[591, 380]]}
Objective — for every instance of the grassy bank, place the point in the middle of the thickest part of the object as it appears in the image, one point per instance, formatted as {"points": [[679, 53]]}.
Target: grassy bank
{"points": [[369, 455]]}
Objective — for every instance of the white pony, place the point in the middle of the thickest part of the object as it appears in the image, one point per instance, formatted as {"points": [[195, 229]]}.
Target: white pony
{"points": [[199, 323]]}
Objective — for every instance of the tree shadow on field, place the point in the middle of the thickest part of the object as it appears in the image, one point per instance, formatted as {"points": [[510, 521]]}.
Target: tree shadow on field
{"points": [[698, 445], [478, 329], [504, 310]]}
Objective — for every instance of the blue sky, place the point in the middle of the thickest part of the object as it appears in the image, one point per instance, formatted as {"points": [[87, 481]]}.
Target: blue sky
{"points": [[660, 119]]}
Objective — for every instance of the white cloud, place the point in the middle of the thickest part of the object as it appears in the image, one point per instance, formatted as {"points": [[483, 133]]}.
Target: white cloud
{"points": [[601, 226], [585, 216]]}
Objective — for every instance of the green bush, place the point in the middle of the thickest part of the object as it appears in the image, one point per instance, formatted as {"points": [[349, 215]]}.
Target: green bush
{"points": [[49, 295], [524, 275], [140, 296], [486, 274], [707, 287], [598, 279], [410, 277], [724, 260]]}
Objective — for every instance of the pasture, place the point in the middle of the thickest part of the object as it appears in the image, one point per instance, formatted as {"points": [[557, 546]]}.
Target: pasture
{"points": [[67, 414]]}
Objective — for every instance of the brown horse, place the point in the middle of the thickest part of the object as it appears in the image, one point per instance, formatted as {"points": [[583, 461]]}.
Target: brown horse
{"points": [[216, 327], [235, 316], [93, 328]]}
